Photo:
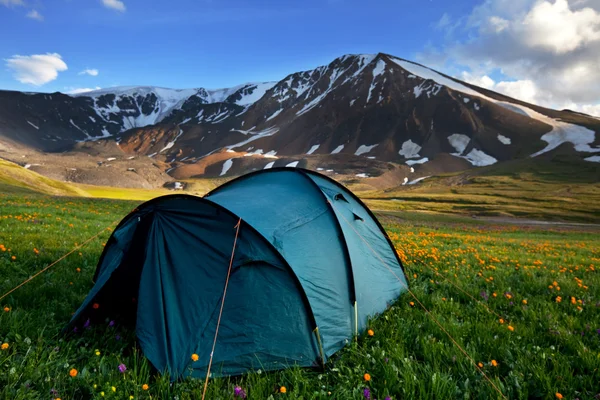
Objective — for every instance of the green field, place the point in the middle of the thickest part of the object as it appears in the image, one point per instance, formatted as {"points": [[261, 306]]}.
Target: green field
{"points": [[513, 272]]}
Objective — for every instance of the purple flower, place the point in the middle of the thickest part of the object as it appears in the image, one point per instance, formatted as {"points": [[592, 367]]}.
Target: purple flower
{"points": [[387, 360], [388, 398], [87, 324], [75, 330], [484, 295], [53, 391], [598, 331], [122, 368], [239, 392], [118, 337], [111, 323], [367, 393]]}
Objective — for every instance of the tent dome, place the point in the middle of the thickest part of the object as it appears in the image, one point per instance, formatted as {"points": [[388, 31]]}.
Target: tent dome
{"points": [[310, 265]]}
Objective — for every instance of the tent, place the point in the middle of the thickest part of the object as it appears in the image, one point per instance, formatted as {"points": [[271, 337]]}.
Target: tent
{"points": [[310, 265]]}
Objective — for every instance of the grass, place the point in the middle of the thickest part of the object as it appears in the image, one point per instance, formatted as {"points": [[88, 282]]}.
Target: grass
{"points": [[536, 189], [553, 348]]}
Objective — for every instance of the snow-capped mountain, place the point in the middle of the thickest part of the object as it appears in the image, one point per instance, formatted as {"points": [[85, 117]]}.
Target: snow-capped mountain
{"points": [[360, 108]]}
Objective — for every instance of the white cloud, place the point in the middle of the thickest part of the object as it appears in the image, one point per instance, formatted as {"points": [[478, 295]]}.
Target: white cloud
{"points": [[547, 51], [36, 69], [34, 14], [91, 72], [9, 3], [71, 90], [114, 4]]}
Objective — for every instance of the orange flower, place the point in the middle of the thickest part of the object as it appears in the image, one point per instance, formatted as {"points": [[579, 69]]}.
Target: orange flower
{"points": [[195, 357], [78, 270], [4, 346], [480, 365], [145, 387], [13, 258], [367, 377], [282, 389], [573, 300], [411, 304], [494, 294], [524, 301], [559, 396], [558, 299], [510, 328], [36, 251], [6, 309], [501, 321], [415, 276], [494, 363], [96, 306], [370, 332], [443, 299], [73, 373]]}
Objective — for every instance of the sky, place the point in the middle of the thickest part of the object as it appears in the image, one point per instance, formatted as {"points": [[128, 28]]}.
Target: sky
{"points": [[542, 51]]}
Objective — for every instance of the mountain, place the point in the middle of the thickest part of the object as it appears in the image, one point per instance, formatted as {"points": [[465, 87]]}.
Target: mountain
{"points": [[361, 116]]}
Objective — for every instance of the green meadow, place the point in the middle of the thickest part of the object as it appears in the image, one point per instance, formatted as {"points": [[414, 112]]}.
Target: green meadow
{"points": [[522, 302]]}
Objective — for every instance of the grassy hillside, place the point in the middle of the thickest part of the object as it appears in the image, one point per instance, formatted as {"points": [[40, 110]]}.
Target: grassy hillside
{"points": [[533, 188], [16, 179]]}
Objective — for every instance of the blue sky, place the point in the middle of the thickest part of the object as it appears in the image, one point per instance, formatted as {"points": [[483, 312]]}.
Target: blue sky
{"points": [[220, 43]]}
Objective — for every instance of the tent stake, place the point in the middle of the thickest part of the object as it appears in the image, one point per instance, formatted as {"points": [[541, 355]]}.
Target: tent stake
{"points": [[356, 320], [316, 331]]}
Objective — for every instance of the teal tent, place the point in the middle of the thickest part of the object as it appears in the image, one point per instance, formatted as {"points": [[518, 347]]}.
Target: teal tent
{"points": [[310, 265]]}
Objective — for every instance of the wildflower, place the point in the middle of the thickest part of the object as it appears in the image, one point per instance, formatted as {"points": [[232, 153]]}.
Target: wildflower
{"points": [[573, 300], [411, 304], [367, 393], [484, 295], [73, 373], [145, 386], [367, 377], [494, 363], [122, 368], [195, 357], [480, 365], [97, 352], [494, 294], [443, 299], [524, 301], [4, 346], [501, 321], [508, 296], [370, 332], [102, 394], [239, 392], [510, 328], [558, 299], [13, 258], [111, 323], [388, 398], [6, 309], [96, 306], [415, 276], [87, 324], [114, 389], [282, 389], [559, 396], [78, 270]]}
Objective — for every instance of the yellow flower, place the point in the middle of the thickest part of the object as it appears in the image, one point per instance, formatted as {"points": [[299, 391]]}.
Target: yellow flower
{"points": [[494, 363], [195, 357], [4, 346], [73, 373], [559, 396], [145, 387], [114, 389], [102, 394], [510, 328], [97, 352], [130, 397], [367, 377], [370, 332], [282, 389]]}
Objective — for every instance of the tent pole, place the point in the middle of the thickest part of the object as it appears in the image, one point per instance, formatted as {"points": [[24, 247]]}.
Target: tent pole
{"points": [[356, 319], [316, 331]]}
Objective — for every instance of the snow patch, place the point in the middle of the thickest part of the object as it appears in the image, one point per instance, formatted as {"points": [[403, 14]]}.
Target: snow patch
{"points": [[271, 154], [226, 166], [593, 159], [313, 149], [405, 181], [276, 113], [362, 175], [293, 164], [269, 165], [418, 180], [479, 159], [364, 149], [338, 149], [503, 139], [111, 159], [459, 142], [256, 135], [466, 100], [410, 149], [414, 162]]}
